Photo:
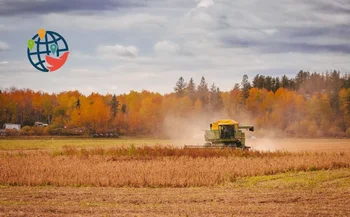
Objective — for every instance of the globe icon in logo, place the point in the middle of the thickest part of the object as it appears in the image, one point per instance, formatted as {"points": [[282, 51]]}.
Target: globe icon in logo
{"points": [[47, 51]]}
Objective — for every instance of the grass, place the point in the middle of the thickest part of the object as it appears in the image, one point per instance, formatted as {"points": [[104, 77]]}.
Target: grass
{"points": [[338, 178], [58, 143]]}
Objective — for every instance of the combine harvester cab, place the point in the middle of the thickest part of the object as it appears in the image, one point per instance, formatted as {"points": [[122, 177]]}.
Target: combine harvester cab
{"points": [[225, 133]]}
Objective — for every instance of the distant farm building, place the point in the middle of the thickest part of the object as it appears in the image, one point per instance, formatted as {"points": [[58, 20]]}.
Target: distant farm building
{"points": [[40, 124], [12, 126]]}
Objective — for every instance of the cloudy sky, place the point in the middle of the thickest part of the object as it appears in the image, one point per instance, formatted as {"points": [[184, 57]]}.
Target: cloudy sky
{"points": [[122, 45]]}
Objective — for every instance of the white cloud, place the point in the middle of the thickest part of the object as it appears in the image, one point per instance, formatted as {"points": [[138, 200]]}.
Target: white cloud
{"points": [[79, 70], [166, 47], [118, 50], [4, 28], [205, 3], [270, 31], [4, 62], [3, 46], [105, 21], [226, 39], [170, 48]]}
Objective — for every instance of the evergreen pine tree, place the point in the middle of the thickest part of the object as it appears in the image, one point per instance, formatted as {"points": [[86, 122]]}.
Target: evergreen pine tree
{"points": [[114, 106], [191, 90], [245, 86], [180, 88]]}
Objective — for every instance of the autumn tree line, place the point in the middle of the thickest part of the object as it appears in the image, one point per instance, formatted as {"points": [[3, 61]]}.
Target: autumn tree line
{"points": [[308, 105]]}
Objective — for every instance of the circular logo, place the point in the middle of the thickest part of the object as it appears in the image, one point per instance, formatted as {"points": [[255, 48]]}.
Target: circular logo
{"points": [[47, 51]]}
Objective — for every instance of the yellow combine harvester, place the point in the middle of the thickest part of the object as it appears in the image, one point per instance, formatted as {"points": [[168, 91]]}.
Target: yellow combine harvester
{"points": [[225, 133]]}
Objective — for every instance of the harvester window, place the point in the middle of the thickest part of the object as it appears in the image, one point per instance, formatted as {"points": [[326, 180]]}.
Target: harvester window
{"points": [[222, 132], [227, 131], [231, 130]]}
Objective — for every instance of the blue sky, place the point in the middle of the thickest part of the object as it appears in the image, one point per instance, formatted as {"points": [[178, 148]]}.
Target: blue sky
{"points": [[122, 45]]}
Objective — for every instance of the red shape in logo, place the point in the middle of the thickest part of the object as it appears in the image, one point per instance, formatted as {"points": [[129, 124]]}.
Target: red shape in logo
{"points": [[56, 63]]}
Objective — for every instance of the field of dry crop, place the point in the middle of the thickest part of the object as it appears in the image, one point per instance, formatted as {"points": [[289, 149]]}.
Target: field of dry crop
{"points": [[263, 144], [155, 166], [318, 193], [154, 180]]}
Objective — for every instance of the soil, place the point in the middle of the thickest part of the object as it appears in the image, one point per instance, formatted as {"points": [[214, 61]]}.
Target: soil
{"points": [[214, 201]]}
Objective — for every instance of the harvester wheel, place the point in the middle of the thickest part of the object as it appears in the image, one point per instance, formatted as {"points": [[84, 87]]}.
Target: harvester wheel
{"points": [[208, 144], [239, 145]]}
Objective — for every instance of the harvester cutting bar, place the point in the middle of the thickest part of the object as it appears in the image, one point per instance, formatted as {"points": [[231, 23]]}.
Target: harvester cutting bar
{"points": [[202, 147], [211, 147]]}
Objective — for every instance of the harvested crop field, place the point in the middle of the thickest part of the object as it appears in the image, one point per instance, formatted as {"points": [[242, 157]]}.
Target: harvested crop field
{"points": [[320, 193], [139, 179], [155, 166]]}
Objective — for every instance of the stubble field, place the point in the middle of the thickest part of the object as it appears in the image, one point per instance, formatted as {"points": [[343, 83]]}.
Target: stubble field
{"points": [[144, 177]]}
